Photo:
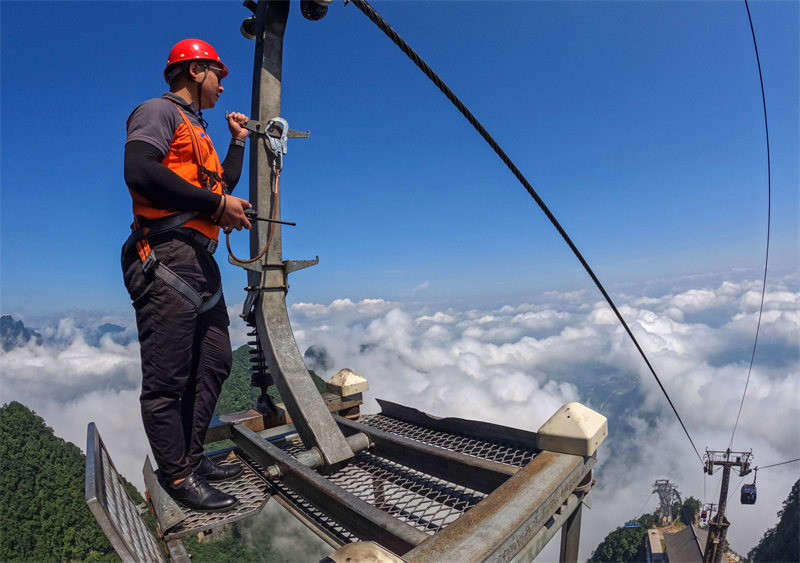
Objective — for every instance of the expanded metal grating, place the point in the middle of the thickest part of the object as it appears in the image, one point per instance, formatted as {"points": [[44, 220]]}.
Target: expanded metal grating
{"points": [[112, 507], [424, 502], [249, 488], [313, 514], [125, 515], [491, 451], [420, 500]]}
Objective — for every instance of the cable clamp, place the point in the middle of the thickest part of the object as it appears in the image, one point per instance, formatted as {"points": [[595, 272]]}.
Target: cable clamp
{"points": [[277, 132], [249, 301]]}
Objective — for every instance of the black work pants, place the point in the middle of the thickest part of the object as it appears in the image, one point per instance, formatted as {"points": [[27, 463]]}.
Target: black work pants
{"points": [[186, 356]]}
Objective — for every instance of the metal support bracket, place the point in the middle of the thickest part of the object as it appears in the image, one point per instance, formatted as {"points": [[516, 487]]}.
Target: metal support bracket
{"points": [[261, 128], [289, 266], [168, 513], [295, 265]]}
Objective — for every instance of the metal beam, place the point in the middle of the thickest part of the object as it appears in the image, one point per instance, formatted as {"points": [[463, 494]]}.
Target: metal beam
{"points": [[550, 529], [571, 536], [301, 397], [503, 523], [345, 508]]}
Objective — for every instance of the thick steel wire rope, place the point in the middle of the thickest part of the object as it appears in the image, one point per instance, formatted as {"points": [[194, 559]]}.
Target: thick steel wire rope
{"points": [[370, 12], [645, 504], [733, 490], [769, 215], [776, 464]]}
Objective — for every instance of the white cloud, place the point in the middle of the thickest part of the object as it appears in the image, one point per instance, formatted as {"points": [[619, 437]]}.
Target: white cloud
{"points": [[363, 307], [565, 296], [423, 286], [438, 317], [514, 365], [69, 383]]}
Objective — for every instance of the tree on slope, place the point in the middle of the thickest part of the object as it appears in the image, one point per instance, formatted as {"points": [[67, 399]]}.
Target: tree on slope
{"points": [[782, 542], [623, 544], [689, 510], [43, 513]]}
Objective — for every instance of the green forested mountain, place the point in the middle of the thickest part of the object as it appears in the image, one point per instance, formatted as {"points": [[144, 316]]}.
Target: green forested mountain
{"points": [[627, 544], [237, 393], [782, 543], [43, 513], [623, 544]]}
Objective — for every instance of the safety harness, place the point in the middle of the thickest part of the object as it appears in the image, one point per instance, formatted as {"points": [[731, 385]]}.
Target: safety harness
{"points": [[173, 225]]}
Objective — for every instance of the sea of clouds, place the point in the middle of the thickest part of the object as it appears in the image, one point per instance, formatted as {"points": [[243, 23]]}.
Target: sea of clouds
{"points": [[514, 365]]}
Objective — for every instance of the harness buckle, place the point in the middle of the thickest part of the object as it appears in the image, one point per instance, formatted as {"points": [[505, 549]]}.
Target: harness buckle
{"points": [[149, 263]]}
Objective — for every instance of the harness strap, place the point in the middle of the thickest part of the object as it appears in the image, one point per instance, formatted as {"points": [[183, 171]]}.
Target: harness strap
{"points": [[208, 177], [151, 264], [174, 223], [177, 283]]}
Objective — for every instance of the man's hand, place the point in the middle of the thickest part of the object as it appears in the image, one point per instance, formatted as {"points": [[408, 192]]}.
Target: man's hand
{"points": [[236, 122], [230, 213]]}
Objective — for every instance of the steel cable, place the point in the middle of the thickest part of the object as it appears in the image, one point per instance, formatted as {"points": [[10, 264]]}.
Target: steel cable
{"points": [[769, 215], [276, 194], [776, 464], [645, 504], [370, 12]]}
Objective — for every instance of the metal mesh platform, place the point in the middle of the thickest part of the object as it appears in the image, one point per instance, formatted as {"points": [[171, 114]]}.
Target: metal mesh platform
{"points": [[425, 502], [249, 488], [491, 451], [325, 526], [422, 501], [413, 476]]}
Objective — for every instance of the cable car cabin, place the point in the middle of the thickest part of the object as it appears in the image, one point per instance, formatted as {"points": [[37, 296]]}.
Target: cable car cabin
{"points": [[703, 516], [749, 494]]}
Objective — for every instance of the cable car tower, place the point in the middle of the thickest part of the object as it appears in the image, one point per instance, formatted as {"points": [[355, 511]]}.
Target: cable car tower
{"points": [[395, 486], [718, 524], [668, 495]]}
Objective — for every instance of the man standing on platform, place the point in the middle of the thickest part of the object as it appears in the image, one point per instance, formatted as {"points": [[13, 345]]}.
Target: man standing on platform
{"points": [[181, 199]]}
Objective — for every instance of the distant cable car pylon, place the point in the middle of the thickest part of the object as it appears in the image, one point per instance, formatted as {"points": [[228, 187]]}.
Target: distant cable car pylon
{"points": [[718, 524]]}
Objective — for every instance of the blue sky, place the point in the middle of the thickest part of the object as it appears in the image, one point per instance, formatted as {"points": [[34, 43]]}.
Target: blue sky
{"points": [[639, 123]]}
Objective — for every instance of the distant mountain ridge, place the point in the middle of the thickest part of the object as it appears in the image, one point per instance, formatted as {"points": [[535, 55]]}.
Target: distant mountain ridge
{"points": [[109, 328], [13, 334]]}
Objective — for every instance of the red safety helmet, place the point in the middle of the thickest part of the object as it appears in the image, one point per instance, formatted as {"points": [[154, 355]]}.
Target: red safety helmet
{"points": [[193, 50]]}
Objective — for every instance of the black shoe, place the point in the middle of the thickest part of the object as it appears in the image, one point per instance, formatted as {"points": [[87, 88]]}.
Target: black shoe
{"points": [[193, 492], [210, 471]]}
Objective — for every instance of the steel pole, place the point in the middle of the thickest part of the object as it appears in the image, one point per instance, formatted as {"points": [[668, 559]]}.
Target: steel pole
{"points": [[718, 527], [302, 399], [571, 536]]}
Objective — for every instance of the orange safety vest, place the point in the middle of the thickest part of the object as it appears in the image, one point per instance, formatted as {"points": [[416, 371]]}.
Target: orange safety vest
{"points": [[192, 157]]}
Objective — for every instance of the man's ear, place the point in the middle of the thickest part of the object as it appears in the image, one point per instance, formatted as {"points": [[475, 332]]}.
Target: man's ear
{"points": [[195, 69]]}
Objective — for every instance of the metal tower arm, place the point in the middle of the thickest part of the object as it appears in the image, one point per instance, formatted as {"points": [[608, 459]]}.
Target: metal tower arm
{"points": [[267, 281]]}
